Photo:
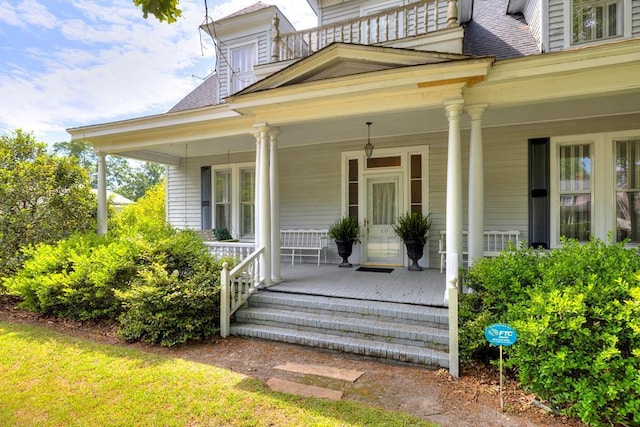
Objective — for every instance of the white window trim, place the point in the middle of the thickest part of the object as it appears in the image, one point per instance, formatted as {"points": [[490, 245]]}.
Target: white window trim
{"points": [[235, 169], [603, 204], [230, 49], [568, 28]]}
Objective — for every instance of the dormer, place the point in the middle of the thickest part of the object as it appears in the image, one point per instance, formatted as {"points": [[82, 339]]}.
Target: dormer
{"points": [[243, 41]]}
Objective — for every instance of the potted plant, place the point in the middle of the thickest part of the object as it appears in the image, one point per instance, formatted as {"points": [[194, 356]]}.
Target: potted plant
{"points": [[345, 231], [413, 229]]}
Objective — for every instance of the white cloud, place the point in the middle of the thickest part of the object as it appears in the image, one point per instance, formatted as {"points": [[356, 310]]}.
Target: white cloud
{"points": [[98, 61]]}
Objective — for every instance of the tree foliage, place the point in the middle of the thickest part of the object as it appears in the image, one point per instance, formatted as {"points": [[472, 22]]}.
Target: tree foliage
{"points": [[124, 178], [163, 10], [43, 198]]}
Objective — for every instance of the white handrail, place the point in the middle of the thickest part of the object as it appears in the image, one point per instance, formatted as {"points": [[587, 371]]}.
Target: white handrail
{"points": [[238, 250], [236, 286]]}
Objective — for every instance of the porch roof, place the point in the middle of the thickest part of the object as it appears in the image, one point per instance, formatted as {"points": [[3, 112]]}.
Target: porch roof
{"points": [[595, 81]]}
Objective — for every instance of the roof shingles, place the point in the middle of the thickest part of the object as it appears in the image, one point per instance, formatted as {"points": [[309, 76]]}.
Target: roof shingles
{"points": [[492, 32]]}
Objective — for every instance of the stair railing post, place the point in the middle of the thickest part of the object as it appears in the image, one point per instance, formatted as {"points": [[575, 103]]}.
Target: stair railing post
{"points": [[224, 301]]}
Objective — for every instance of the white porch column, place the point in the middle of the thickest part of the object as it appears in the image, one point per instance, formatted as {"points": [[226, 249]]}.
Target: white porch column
{"points": [[256, 198], [476, 185], [265, 205], [102, 194], [454, 184], [453, 224], [275, 207]]}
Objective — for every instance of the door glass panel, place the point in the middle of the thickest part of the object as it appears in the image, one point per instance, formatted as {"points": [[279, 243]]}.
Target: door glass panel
{"points": [[382, 245]]}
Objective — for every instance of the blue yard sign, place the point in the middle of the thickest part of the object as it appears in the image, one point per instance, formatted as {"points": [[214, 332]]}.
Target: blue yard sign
{"points": [[500, 334]]}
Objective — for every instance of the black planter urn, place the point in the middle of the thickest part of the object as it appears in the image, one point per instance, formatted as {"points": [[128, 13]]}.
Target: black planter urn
{"points": [[345, 247], [415, 249]]}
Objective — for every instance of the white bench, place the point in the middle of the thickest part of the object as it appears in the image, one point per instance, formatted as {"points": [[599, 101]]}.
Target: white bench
{"points": [[494, 242], [304, 243]]}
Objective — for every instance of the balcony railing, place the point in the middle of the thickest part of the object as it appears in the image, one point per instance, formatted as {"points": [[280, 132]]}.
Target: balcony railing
{"points": [[415, 19]]}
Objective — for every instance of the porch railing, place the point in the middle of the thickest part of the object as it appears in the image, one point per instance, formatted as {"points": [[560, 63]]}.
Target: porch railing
{"points": [[236, 286], [237, 250], [415, 19]]}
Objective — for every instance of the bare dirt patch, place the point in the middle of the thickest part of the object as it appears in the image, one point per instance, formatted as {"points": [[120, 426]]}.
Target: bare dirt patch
{"points": [[433, 395]]}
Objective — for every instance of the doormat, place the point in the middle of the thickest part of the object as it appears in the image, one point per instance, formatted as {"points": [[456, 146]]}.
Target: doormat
{"points": [[375, 269]]}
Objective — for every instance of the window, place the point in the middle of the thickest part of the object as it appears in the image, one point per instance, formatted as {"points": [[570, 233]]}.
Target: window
{"points": [[233, 199], [575, 191], [628, 190], [595, 187], [223, 199], [595, 20], [205, 196], [242, 60]]}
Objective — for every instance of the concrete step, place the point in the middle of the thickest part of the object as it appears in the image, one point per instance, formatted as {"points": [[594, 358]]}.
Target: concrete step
{"points": [[436, 317], [364, 347], [363, 327]]}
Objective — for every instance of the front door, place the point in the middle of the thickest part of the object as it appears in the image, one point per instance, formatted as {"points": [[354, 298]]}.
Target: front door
{"points": [[383, 199]]}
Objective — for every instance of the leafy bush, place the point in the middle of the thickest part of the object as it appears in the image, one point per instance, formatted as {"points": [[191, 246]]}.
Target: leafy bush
{"points": [[75, 278], [146, 216], [163, 308], [577, 313], [497, 283]]}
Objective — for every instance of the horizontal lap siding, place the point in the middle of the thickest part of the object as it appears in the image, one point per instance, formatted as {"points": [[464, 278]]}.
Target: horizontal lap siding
{"points": [[189, 216], [310, 177], [181, 213], [635, 18], [556, 25]]}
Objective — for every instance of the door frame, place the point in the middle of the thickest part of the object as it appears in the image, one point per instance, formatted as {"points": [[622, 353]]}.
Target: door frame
{"points": [[405, 153]]}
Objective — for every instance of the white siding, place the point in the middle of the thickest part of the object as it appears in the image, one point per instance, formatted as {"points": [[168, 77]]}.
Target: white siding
{"points": [[532, 13], [183, 213], [263, 42], [556, 25], [310, 177], [635, 20]]}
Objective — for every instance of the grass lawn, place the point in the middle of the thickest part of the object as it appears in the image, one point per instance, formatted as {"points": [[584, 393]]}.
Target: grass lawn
{"points": [[49, 379]]}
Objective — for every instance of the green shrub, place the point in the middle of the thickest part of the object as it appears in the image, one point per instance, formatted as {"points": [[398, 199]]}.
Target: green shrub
{"points": [[577, 313], [579, 331], [497, 284], [167, 307], [75, 278]]}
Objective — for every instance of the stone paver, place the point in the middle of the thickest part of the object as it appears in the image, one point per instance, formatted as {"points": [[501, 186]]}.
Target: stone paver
{"points": [[321, 370]]}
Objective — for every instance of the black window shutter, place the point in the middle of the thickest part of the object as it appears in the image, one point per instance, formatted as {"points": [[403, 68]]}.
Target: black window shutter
{"points": [[539, 213]]}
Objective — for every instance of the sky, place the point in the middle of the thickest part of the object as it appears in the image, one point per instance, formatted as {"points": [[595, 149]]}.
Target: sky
{"points": [[70, 63]]}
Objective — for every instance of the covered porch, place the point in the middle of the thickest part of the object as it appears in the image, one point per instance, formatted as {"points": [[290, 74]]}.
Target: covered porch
{"points": [[424, 287]]}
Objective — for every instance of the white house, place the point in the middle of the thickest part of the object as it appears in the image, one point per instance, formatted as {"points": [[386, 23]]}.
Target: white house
{"points": [[506, 115]]}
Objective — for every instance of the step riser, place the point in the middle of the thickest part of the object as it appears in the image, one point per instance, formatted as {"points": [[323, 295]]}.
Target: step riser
{"points": [[424, 316], [376, 350], [392, 331], [418, 337]]}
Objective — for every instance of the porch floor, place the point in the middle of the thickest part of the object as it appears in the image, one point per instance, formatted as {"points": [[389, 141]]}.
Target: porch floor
{"points": [[425, 287]]}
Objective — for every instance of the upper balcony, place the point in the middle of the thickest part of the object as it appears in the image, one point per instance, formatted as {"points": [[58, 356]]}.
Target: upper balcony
{"points": [[405, 26]]}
